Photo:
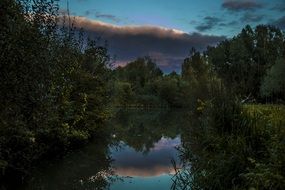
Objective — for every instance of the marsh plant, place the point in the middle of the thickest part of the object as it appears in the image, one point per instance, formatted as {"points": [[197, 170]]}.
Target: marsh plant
{"points": [[234, 147]]}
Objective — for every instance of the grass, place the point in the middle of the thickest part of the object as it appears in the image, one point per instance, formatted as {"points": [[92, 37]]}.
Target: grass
{"points": [[273, 113], [239, 148]]}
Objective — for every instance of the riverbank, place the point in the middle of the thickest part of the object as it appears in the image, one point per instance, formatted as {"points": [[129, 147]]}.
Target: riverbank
{"points": [[246, 151], [135, 149]]}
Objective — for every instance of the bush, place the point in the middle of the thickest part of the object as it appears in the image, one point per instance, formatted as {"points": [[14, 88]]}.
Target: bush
{"points": [[234, 147]]}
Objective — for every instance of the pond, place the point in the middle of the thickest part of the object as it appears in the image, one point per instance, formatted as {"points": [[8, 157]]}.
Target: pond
{"points": [[135, 151]]}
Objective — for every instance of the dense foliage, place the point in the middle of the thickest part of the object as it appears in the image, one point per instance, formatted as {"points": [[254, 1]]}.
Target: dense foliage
{"points": [[243, 61], [53, 84], [142, 84], [232, 145], [250, 65]]}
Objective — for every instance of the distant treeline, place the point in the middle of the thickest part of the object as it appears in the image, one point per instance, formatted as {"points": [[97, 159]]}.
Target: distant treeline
{"points": [[251, 65]]}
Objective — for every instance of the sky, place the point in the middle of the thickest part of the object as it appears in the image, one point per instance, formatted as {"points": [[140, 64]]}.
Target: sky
{"points": [[166, 30]]}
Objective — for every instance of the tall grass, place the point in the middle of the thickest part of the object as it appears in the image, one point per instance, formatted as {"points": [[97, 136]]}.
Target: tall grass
{"points": [[234, 147]]}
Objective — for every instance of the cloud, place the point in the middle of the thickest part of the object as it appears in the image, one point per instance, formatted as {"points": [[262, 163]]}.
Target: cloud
{"points": [[209, 23], [88, 12], [231, 23], [279, 7], [241, 5], [280, 23], [128, 162], [168, 46], [144, 172], [167, 62], [166, 143], [251, 17], [98, 14], [107, 16]]}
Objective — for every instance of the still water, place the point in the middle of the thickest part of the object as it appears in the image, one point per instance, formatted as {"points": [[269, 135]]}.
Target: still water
{"points": [[134, 152]]}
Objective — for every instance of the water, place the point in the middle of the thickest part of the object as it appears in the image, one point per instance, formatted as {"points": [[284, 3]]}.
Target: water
{"points": [[135, 152], [152, 170]]}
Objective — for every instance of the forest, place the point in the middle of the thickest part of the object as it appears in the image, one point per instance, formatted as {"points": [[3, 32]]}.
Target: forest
{"points": [[59, 87]]}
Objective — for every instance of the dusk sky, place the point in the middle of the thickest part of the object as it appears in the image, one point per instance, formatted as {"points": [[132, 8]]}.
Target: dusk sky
{"points": [[167, 29]]}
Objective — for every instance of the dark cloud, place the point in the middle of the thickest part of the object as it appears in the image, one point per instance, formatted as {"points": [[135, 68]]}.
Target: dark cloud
{"points": [[231, 23], [167, 46], [251, 17], [107, 16], [193, 22], [208, 24], [87, 13], [280, 23], [241, 5], [279, 7], [98, 14]]}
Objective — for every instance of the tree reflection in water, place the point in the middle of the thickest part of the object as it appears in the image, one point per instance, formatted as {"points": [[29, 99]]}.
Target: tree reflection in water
{"points": [[135, 147]]}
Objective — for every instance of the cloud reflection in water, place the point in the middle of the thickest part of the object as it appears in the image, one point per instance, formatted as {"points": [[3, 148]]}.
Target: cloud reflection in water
{"points": [[156, 162]]}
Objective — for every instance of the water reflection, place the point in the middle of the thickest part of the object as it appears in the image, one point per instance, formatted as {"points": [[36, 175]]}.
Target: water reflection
{"points": [[89, 168], [150, 170], [147, 148], [135, 152], [129, 162], [142, 129]]}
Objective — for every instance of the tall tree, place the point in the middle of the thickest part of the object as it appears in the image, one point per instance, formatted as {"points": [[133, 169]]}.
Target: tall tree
{"points": [[273, 85]]}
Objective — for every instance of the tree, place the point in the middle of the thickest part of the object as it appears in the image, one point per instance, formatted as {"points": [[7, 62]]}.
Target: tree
{"points": [[139, 72], [273, 84], [241, 62], [140, 75], [194, 67], [53, 92], [123, 93]]}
